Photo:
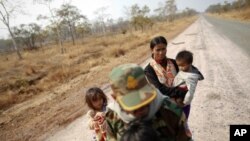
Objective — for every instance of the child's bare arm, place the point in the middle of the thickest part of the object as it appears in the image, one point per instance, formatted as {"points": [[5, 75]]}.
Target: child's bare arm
{"points": [[91, 115], [191, 84]]}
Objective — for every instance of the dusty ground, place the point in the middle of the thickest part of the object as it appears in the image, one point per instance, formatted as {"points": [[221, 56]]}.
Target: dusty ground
{"points": [[221, 99]]}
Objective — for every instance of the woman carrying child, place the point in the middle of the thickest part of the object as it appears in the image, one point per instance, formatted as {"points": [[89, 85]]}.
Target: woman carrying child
{"points": [[161, 70]]}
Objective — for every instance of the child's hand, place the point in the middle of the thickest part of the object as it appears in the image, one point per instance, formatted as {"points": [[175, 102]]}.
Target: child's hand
{"points": [[100, 114], [91, 114], [91, 125], [179, 102], [99, 117]]}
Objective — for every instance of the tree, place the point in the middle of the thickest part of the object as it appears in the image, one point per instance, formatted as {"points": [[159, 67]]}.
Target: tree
{"points": [[42, 36], [189, 12], [53, 19], [70, 15], [7, 10], [216, 8], [171, 9], [27, 34], [5, 45], [111, 25], [83, 28], [161, 12], [166, 10], [226, 7], [139, 16], [235, 5], [101, 18], [247, 2], [122, 25]]}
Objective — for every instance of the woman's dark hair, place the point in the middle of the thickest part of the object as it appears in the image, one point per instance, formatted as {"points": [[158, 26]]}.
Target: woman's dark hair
{"points": [[185, 56], [93, 94], [158, 40], [140, 131]]}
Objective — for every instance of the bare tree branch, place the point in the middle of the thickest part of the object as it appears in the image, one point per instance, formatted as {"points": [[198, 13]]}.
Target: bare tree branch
{"points": [[6, 11]]}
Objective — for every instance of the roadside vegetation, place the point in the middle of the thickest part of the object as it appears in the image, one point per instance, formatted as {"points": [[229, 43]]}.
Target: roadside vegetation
{"points": [[48, 60], [239, 10]]}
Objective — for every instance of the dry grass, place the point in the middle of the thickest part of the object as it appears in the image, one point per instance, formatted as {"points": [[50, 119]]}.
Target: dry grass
{"points": [[241, 15], [46, 68], [6, 99]]}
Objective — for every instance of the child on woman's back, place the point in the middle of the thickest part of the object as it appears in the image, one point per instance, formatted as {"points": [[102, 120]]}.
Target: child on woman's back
{"points": [[97, 102]]}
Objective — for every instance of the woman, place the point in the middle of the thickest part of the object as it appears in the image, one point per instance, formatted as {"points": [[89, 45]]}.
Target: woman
{"points": [[161, 71]]}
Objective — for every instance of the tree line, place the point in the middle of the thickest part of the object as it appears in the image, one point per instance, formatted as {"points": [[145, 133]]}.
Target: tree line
{"points": [[226, 6], [68, 24]]}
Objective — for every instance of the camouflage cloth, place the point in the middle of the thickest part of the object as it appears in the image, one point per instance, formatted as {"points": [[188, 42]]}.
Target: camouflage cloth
{"points": [[131, 91], [169, 122], [130, 87]]}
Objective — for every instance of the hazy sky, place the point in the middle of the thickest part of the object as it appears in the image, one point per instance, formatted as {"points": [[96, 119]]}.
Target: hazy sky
{"points": [[114, 7]]}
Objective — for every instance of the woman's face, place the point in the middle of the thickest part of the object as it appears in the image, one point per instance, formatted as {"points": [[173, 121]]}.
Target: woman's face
{"points": [[159, 52]]}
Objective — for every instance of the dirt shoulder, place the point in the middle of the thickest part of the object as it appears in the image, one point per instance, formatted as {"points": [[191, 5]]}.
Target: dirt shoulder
{"points": [[221, 99]]}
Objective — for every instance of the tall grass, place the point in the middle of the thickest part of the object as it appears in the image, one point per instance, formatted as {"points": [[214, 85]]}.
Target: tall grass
{"points": [[93, 57]]}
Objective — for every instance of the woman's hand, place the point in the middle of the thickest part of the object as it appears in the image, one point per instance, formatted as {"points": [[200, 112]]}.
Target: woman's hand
{"points": [[179, 102]]}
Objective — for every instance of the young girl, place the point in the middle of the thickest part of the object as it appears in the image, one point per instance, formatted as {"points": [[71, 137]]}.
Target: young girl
{"points": [[97, 102]]}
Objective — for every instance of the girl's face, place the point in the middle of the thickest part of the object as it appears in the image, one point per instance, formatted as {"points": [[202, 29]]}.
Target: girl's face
{"points": [[183, 66], [159, 52], [98, 103]]}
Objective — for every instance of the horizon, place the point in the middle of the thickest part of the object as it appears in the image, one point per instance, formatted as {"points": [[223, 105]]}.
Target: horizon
{"points": [[115, 9]]}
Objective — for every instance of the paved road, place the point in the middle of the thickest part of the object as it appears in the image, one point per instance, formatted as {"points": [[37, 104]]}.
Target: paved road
{"points": [[236, 31], [220, 100]]}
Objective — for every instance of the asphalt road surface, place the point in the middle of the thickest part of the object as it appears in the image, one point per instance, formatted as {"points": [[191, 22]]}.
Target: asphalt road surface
{"points": [[236, 31]]}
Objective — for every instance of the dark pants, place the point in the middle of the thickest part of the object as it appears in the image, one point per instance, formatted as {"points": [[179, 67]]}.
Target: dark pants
{"points": [[186, 110]]}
